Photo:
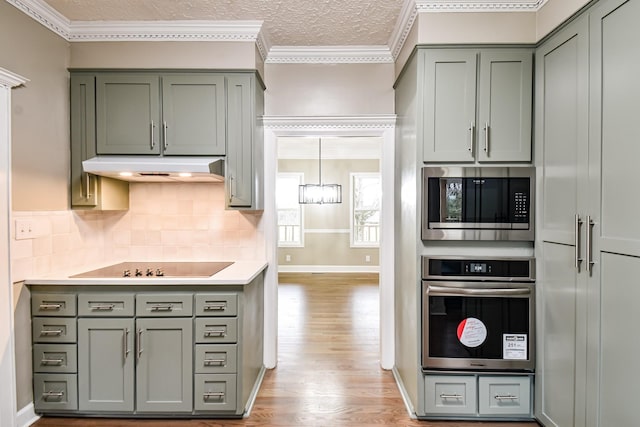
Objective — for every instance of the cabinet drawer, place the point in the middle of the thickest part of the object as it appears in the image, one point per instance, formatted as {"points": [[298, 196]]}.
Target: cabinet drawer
{"points": [[216, 304], [504, 395], [216, 358], [215, 392], [59, 358], [54, 329], [164, 305], [55, 392], [43, 304], [216, 330], [105, 305], [450, 394]]}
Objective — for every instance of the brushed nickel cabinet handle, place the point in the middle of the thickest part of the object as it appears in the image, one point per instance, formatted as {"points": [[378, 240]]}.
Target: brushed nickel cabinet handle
{"points": [[47, 394], [486, 138], [86, 193], [215, 333], [500, 397], [153, 143], [52, 362], [46, 306], [589, 243], [162, 307], [578, 260], [125, 346], [103, 307], [212, 394], [472, 130], [139, 343], [217, 306], [450, 396], [208, 362], [51, 332], [164, 134]]}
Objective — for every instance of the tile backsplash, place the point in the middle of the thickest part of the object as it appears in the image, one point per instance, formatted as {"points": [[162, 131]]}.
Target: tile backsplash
{"points": [[165, 222]]}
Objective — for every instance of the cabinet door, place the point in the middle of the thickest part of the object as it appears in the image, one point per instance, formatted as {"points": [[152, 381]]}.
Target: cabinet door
{"points": [[193, 109], [449, 105], [83, 139], [164, 375], [105, 364], [504, 106], [614, 181], [128, 114], [240, 124], [562, 95]]}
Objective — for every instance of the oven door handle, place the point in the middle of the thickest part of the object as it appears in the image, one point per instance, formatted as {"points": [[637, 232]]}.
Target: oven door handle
{"points": [[441, 290]]}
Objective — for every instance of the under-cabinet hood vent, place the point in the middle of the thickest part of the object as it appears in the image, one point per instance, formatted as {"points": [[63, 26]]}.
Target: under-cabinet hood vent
{"points": [[157, 169]]}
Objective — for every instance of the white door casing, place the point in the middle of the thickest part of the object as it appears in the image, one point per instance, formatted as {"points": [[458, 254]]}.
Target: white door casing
{"points": [[8, 80], [362, 126]]}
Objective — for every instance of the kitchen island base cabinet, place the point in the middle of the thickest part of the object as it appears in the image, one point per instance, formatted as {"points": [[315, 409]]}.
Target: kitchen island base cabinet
{"points": [[184, 350]]}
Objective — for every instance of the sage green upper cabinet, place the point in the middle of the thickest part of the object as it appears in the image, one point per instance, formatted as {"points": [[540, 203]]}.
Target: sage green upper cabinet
{"points": [[193, 108], [128, 113], [245, 171], [168, 114], [477, 105]]}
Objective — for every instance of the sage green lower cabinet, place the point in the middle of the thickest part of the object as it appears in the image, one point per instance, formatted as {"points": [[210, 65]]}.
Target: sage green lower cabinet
{"points": [[106, 364], [165, 367], [478, 396], [177, 350]]}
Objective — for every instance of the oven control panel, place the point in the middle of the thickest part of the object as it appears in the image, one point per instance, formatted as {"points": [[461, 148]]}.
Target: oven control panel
{"points": [[501, 269]]}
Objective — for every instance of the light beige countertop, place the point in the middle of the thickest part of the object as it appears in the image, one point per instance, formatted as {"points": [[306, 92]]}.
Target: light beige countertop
{"points": [[239, 273]]}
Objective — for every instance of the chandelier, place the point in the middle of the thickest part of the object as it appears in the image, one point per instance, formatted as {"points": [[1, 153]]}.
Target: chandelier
{"points": [[319, 193]]}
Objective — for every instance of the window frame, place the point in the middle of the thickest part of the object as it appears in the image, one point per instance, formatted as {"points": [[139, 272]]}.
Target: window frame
{"points": [[280, 243], [352, 177]]}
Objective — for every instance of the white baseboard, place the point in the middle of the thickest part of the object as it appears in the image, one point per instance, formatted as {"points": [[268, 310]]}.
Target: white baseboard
{"points": [[26, 416], [328, 268], [404, 394]]}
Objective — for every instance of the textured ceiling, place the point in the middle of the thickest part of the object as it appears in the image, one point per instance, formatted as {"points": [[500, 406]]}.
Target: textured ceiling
{"points": [[286, 22]]}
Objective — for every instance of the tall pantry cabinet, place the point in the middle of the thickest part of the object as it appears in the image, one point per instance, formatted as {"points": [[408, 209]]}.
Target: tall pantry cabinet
{"points": [[587, 94]]}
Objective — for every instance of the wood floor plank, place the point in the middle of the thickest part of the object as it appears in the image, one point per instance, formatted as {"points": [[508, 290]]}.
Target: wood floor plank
{"points": [[328, 372]]}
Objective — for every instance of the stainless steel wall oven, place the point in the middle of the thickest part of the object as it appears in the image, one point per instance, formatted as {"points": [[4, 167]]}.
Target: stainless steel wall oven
{"points": [[470, 203], [478, 314]]}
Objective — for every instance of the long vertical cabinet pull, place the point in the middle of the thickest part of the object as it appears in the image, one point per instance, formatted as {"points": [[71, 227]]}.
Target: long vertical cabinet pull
{"points": [[126, 350], [153, 143], [486, 138], [87, 188], [164, 134], [230, 188], [139, 344], [578, 223], [589, 243], [472, 130]]}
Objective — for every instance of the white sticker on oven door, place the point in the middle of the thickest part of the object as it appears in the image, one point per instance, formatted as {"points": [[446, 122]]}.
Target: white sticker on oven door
{"points": [[472, 332], [514, 346]]}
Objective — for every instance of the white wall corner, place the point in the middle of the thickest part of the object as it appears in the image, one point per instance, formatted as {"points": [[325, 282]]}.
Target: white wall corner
{"points": [[26, 416]]}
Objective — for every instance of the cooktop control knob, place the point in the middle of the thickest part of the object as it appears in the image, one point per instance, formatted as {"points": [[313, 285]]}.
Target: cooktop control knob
{"points": [[138, 272], [126, 273], [159, 272], [149, 272]]}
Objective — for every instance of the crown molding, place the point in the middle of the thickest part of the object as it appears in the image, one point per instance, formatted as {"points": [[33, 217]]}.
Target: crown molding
{"points": [[403, 26], [9, 79], [329, 55], [479, 5], [371, 122]]}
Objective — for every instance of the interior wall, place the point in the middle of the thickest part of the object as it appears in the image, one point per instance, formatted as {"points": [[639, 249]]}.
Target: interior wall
{"points": [[327, 242], [328, 89], [40, 111], [554, 12]]}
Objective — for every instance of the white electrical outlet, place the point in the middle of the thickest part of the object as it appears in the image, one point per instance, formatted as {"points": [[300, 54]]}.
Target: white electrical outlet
{"points": [[287, 258], [367, 258], [24, 229]]}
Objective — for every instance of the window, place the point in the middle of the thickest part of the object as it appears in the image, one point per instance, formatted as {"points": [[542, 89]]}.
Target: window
{"points": [[289, 210], [365, 209]]}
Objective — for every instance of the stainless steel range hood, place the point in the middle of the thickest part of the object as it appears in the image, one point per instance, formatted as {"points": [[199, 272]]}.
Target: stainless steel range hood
{"points": [[157, 169]]}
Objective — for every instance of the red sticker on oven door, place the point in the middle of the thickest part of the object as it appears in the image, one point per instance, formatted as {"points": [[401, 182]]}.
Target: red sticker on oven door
{"points": [[472, 332]]}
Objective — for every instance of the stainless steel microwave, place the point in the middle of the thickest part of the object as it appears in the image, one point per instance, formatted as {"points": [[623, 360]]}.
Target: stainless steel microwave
{"points": [[478, 203]]}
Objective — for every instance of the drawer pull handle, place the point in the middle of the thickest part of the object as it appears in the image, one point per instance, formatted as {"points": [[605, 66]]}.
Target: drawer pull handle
{"points": [[215, 306], [52, 362], [213, 394], [103, 307], [500, 397], [215, 333], [214, 362], [450, 396], [48, 394], [162, 307], [50, 306], [52, 332]]}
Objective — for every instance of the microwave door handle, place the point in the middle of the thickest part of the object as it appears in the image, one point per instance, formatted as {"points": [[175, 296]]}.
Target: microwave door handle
{"points": [[441, 290]]}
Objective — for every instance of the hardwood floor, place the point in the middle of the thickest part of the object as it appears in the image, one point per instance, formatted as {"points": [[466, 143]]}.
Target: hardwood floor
{"points": [[328, 372]]}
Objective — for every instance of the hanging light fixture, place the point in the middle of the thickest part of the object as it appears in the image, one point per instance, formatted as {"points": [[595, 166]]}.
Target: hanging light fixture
{"points": [[320, 193]]}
